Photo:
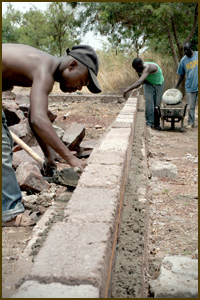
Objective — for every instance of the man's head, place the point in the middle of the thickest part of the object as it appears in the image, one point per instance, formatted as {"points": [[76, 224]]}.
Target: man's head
{"points": [[80, 68], [138, 65], [187, 49]]}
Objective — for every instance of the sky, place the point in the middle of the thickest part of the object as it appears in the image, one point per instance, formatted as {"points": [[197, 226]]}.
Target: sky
{"points": [[89, 38]]}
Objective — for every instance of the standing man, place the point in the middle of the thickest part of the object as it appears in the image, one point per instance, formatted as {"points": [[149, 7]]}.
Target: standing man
{"points": [[150, 75], [189, 66], [29, 67]]}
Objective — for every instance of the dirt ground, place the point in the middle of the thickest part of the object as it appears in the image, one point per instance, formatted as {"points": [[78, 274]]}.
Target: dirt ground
{"points": [[173, 204], [172, 207]]}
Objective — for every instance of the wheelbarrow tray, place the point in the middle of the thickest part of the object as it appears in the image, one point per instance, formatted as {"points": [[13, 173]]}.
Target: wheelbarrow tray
{"points": [[172, 113], [176, 111]]}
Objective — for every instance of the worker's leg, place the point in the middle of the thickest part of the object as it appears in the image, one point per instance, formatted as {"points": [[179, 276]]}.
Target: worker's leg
{"points": [[149, 104], [158, 98], [11, 193], [192, 99]]}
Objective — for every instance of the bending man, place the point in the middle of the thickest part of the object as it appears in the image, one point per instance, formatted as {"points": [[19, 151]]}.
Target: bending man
{"points": [[150, 75], [26, 66]]}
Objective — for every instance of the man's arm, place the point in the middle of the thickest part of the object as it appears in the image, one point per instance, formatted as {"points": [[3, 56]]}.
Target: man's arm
{"points": [[138, 83], [181, 77], [41, 124]]}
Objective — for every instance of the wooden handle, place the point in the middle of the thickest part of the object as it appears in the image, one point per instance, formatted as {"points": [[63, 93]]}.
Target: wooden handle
{"points": [[27, 149]]}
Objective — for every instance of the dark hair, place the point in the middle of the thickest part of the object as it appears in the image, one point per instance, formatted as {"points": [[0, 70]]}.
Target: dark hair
{"points": [[136, 62]]}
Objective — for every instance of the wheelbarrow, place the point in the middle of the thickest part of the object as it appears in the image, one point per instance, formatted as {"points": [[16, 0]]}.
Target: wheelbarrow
{"points": [[172, 113]]}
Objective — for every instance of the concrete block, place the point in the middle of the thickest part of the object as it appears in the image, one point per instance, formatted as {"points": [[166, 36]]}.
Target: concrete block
{"points": [[34, 289], [125, 117], [132, 100], [121, 124], [107, 158], [102, 176], [178, 278], [117, 139], [75, 253], [94, 205], [128, 109]]}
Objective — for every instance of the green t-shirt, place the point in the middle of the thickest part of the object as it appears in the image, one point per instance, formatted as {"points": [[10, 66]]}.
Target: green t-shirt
{"points": [[156, 78]]}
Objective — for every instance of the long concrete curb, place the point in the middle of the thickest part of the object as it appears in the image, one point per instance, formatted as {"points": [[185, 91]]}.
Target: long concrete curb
{"points": [[77, 257]]}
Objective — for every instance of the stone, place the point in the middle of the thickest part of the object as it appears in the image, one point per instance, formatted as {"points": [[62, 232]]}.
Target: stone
{"points": [[52, 116], [21, 99], [60, 132], [29, 177], [8, 95], [12, 112], [88, 145], [24, 132], [20, 129], [164, 169], [178, 278], [22, 156], [73, 135]]}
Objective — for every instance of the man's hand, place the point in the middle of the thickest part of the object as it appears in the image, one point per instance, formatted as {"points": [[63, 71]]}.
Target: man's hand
{"points": [[49, 168], [77, 163], [124, 93]]}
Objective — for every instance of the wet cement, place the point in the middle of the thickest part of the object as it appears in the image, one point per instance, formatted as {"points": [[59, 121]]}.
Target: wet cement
{"points": [[66, 177], [129, 278]]}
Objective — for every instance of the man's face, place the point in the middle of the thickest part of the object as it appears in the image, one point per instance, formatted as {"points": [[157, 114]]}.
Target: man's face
{"points": [[73, 80], [188, 51]]}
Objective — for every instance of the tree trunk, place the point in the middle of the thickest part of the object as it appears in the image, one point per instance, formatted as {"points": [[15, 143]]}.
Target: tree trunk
{"points": [[173, 51], [179, 46]]}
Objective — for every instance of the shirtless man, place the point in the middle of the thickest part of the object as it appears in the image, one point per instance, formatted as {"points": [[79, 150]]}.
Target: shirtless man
{"points": [[26, 66], [150, 75]]}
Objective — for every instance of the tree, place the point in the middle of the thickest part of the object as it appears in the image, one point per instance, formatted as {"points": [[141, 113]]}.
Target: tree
{"points": [[10, 25], [34, 29], [61, 27], [163, 26]]}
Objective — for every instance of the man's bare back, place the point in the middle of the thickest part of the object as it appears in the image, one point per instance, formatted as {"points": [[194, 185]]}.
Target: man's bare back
{"points": [[21, 64]]}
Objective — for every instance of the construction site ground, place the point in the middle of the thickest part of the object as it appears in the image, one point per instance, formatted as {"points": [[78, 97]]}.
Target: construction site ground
{"points": [[172, 204]]}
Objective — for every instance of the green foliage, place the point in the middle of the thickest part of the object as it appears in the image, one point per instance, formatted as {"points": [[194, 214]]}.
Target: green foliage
{"points": [[53, 30], [61, 27]]}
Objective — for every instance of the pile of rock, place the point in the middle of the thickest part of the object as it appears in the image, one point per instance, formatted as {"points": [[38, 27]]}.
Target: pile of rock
{"points": [[28, 171]]}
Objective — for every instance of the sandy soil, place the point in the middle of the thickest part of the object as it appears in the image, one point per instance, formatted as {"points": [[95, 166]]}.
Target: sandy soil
{"points": [[172, 225]]}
